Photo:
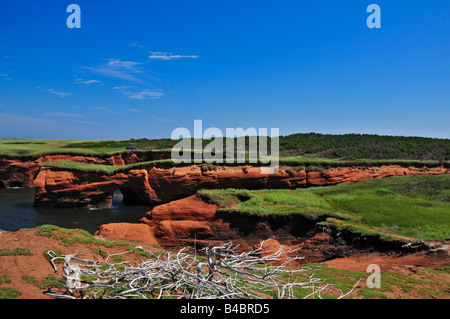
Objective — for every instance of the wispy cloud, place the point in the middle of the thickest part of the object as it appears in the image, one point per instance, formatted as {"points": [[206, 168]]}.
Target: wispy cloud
{"points": [[81, 81], [165, 56], [129, 110], [129, 65], [139, 95], [14, 121], [62, 114], [5, 76], [87, 122], [58, 93], [125, 70], [156, 118], [135, 45], [108, 110], [146, 94], [122, 87]]}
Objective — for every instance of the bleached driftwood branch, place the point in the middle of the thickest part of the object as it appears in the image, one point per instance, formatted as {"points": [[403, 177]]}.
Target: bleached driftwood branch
{"points": [[220, 273]]}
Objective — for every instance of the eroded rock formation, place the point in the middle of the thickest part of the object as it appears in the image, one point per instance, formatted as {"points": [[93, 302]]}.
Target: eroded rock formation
{"points": [[21, 171], [155, 185], [192, 222]]}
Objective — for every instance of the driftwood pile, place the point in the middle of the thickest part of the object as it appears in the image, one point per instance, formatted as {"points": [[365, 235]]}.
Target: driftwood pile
{"points": [[213, 273]]}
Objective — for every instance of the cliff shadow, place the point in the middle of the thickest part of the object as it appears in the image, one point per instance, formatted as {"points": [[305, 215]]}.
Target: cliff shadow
{"points": [[134, 196], [285, 228]]}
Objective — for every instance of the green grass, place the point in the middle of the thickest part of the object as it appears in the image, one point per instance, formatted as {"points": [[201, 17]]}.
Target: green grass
{"points": [[51, 282], [316, 163], [70, 237], [29, 279], [99, 168], [41, 147], [7, 292], [15, 252], [390, 282], [32, 147], [299, 163], [415, 207], [5, 279], [295, 147]]}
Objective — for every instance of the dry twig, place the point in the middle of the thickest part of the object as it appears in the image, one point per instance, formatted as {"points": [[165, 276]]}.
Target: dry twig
{"points": [[221, 273]]}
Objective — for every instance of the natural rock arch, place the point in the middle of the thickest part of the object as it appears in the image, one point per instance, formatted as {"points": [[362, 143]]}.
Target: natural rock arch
{"points": [[15, 184], [134, 196]]}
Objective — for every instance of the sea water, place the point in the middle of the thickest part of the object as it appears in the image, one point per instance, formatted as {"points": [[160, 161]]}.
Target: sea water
{"points": [[17, 211]]}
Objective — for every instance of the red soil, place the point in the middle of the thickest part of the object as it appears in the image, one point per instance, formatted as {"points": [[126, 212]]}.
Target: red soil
{"points": [[37, 266]]}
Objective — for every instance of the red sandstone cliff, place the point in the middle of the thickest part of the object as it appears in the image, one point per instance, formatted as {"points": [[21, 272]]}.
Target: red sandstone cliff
{"points": [[192, 222], [21, 172], [153, 185]]}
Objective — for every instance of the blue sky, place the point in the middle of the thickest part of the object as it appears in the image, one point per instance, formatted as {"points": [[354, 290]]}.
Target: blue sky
{"points": [[143, 68]]}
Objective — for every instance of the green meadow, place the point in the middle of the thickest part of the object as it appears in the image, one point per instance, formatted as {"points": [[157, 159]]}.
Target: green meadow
{"points": [[408, 208], [294, 147]]}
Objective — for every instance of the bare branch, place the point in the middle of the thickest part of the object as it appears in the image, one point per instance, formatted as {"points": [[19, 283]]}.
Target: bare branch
{"points": [[221, 272]]}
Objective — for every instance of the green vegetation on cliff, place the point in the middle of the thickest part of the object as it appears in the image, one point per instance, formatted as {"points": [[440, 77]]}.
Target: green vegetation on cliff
{"points": [[400, 207], [99, 168]]}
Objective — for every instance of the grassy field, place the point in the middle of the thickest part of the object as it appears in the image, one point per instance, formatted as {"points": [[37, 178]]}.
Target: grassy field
{"points": [[99, 168], [40, 147], [295, 147], [402, 207], [37, 147]]}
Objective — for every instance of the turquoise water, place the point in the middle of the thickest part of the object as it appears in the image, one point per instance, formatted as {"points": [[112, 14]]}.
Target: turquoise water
{"points": [[17, 211]]}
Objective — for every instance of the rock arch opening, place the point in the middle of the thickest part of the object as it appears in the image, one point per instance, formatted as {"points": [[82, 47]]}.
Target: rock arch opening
{"points": [[133, 196], [15, 184], [117, 199]]}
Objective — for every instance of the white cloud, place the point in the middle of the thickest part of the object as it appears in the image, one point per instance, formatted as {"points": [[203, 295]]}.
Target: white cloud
{"points": [[122, 87], [80, 81], [146, 94], [87, 122], [164, 56], [161, 119], [108, 110], [4, 75], [135, 45], [139, 95], [125, 70], [58, 93], [130, 65], [64, 114]]}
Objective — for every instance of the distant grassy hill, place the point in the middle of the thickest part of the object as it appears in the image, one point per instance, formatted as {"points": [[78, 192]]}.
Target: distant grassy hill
{"points": [[311, 145], [362, 146]]}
